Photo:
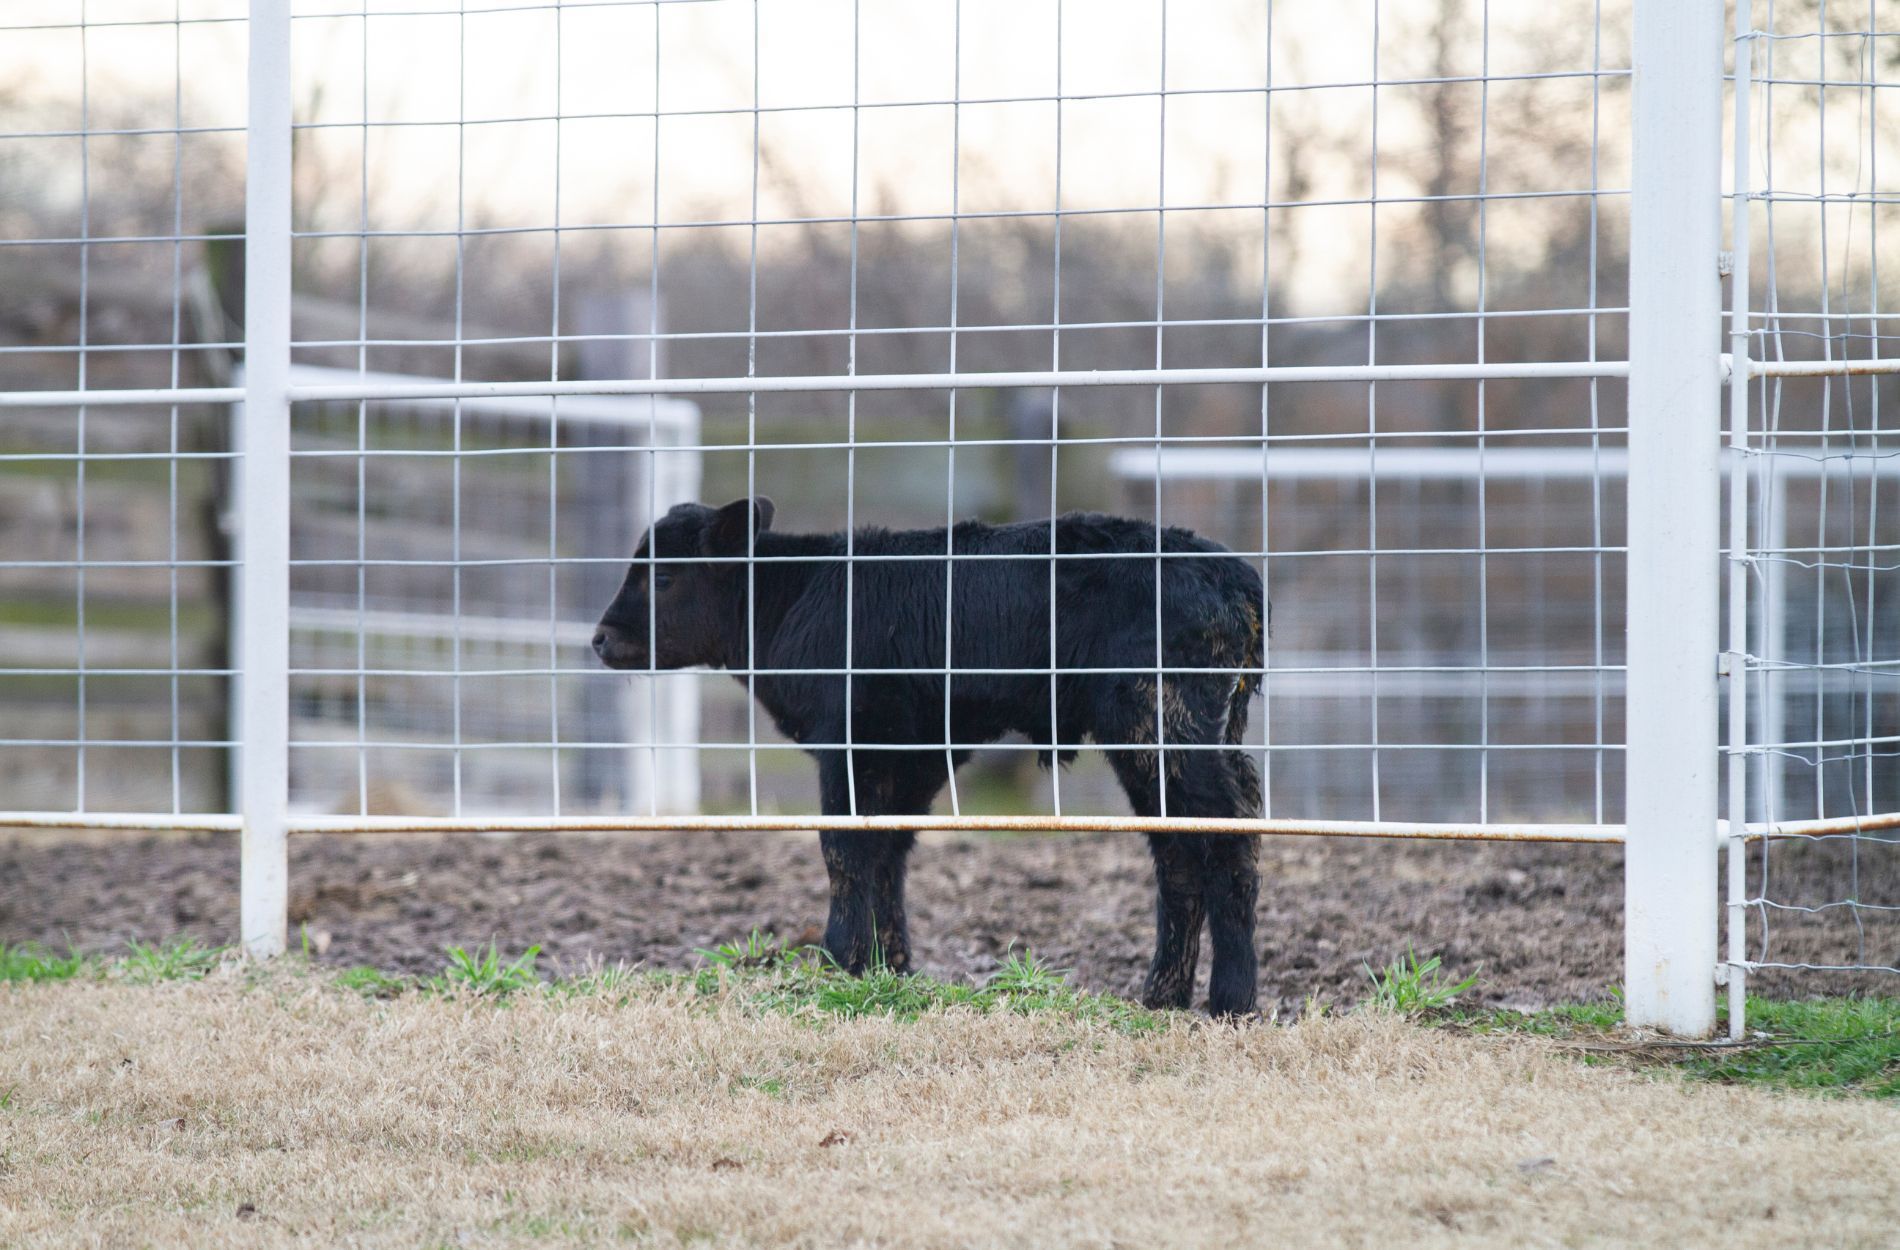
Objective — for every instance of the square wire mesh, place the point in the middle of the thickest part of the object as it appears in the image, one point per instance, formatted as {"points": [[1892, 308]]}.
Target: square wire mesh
{"points": [[808, 193], [1820, 488], [121, 181]]}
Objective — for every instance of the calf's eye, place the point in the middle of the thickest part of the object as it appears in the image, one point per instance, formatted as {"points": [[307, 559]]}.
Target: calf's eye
{"points": [[662, 580]]}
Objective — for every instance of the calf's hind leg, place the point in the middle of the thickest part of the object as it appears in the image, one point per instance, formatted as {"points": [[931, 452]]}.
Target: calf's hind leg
{"points": [[1179, 907], [1220, 783], [1198, 876], [1179, 901], [1232, 887]]}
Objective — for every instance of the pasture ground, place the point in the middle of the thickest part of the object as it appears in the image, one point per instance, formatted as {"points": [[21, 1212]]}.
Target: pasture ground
{"points": [[252, 1107], [1538, 924]]}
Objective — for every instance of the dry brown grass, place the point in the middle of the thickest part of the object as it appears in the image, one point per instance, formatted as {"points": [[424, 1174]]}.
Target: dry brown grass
{"points": [[281, 1111]]}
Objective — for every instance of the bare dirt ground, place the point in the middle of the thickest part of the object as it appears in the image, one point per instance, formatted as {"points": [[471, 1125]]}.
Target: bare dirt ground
{"points": [[1538, 923], [264, 1109]]}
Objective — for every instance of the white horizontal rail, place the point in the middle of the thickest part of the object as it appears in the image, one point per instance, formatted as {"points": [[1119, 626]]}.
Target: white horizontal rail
{"points": [[1461, 464], [368, 386], [1825, 827], [1823, 368], [1350, 463], [162, 395], [382, 623], [1256, 375], [131, 822], [673, 415]]}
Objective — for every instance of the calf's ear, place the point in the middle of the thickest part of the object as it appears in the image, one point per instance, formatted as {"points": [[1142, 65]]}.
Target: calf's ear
{"points": [[727, 536]]}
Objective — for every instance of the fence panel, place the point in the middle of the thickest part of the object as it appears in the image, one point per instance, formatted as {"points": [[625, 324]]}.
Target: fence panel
{"points": [[1810, 900], [1347, 292]]}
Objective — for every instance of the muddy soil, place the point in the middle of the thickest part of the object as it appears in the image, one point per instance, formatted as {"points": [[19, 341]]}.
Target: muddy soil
{"points": [[1538, 923]]}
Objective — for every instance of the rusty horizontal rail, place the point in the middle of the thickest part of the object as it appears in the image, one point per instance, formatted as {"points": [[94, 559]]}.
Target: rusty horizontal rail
{"points": [[350, 825], [1833, 826], [1425, 831], [970, 824]]}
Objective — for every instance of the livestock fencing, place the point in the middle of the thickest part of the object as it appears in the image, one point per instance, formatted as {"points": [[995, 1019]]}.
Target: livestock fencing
{"points": [[1535, 361]]}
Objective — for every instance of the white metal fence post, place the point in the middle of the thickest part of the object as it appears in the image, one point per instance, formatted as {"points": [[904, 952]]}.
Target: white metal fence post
{"points": [[1674, 500], [264, 489]]}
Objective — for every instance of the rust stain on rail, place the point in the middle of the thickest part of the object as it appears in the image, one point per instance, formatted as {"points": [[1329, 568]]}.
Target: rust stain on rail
{"points": [[964, 824], [338, 825], [350, 825], [1833, 827]]}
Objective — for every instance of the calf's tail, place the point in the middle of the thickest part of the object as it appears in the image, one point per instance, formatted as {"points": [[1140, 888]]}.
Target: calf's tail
{"points": [[1248, 598]]}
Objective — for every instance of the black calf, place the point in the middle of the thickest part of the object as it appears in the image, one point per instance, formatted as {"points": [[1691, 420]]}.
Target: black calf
{"points": [[702, 597]]}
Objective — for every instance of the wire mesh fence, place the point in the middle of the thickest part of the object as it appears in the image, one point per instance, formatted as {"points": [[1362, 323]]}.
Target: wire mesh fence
{"points": [[943, 192], [116, 556], [1342, 289], [1817, 760]]}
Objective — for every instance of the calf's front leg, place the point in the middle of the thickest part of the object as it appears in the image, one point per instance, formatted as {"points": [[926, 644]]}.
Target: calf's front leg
{"points": [[1232, 886], [866, 926]]}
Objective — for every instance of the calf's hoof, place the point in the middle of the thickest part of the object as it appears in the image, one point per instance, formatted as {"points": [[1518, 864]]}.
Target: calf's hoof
{"points": [[1167, 994], [1232, 1010], [1230, 999], [858, 960]]}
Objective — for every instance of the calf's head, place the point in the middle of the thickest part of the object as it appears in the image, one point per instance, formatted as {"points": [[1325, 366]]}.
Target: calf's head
{"points": [[684, 595]]}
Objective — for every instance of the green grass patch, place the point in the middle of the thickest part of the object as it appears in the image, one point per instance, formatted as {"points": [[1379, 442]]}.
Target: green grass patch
{"points": [[31, 962], [770, 1086], [143, 963], [372, 982], [766, 975], [181, 959], [615, 980], [1822, 1045], [756, 973], [1835, 1045], [1410, 986], [1842, 1046], [485, 973]]}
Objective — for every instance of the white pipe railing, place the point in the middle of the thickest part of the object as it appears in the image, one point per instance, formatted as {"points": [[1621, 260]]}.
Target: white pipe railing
{"points": [[374, 386]]}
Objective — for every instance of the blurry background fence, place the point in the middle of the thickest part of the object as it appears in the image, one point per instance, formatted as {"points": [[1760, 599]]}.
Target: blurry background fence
{"points": [[378, 616]]}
